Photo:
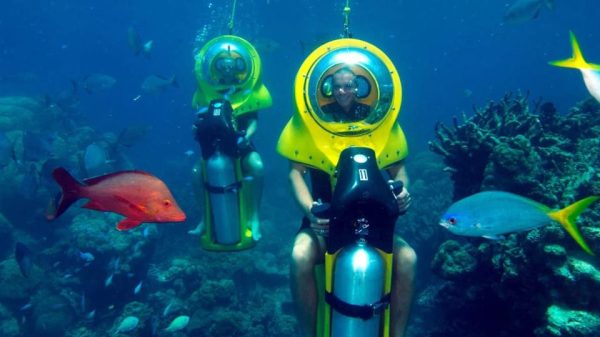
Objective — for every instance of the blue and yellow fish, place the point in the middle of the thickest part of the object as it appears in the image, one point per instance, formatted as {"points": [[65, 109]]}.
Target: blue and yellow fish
{"points": [[589, 71], [493, 213]]}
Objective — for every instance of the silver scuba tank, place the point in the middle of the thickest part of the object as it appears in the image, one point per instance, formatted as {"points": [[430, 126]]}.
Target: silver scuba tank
{"points": [[358, 279], [220, 173]]}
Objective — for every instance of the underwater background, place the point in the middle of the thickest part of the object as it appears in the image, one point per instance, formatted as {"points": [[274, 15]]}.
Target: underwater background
{"points": [[69, 79]]}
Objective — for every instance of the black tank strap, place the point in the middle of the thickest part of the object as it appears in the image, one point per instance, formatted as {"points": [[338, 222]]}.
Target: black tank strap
{"points": [[364, 312], [222, 189]]}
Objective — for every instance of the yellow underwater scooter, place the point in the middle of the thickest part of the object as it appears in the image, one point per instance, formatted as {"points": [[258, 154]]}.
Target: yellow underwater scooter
{"points": [[228, 73], [356, 278]]}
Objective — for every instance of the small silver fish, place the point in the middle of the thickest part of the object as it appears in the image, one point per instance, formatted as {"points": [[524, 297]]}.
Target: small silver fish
{"points": [[90, 315], [171, 308], [155, 84], [129, 323], [138, 288], [109, 280], [135, 43], [179, 323], [87, 256], [97, 82], [524, 10]]}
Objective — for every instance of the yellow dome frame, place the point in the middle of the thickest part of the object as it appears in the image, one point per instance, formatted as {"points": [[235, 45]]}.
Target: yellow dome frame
{"points": [[250, 95], [305, 141]]}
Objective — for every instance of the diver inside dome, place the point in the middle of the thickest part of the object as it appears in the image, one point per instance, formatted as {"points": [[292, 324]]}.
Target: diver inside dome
{"points": [[346, 107]]}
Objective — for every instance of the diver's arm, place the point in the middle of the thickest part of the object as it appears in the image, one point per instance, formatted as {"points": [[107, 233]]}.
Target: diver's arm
{"points": [[398, 173], [251, 129], [299, 188], [304, 197]]}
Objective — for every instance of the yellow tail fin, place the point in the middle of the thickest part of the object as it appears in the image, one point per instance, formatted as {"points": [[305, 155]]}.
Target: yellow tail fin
{"points": [[576, 61], [568, 215]]}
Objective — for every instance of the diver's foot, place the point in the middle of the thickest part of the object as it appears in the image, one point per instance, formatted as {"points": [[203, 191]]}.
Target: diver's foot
{"points": [[255, 227], [198, 230]]}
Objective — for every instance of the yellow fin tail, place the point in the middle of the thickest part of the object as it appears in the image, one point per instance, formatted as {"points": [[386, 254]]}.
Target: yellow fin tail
{"points": [[568, 215], [577, 61]]}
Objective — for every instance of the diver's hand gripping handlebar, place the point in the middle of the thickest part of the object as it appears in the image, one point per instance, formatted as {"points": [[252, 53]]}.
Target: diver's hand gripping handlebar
{"points": [[396, 186], [323, 210]]}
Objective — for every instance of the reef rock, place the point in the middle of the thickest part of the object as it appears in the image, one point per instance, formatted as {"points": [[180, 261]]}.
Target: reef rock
{"points": [[454, 261], [14, 287], [6, 236], [538, 280], [569, 323], [9, 327]]}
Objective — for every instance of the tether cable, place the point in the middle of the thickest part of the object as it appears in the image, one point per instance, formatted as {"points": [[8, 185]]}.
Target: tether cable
{"points": [[346, 14], [231, 20]]}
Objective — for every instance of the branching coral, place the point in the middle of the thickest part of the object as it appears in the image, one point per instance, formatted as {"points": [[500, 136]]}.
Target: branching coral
{"points": [[549, 157]]}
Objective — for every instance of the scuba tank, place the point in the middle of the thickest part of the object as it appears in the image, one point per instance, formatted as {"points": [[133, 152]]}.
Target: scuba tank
{"points": [[362, 215], [223, 191], [218, 142], [359, 275]]}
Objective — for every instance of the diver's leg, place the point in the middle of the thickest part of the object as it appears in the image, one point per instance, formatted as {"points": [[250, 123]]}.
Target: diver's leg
{"points": [[403, 275], [305, 255], [252, 166], [198, 188]]}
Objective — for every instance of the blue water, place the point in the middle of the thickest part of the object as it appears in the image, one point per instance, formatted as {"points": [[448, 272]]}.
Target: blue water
{"points": [[451, 55], [440, 48]]}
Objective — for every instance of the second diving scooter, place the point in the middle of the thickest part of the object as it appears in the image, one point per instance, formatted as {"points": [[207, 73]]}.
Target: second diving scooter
{"points": [[362, 215], [224, 196]]}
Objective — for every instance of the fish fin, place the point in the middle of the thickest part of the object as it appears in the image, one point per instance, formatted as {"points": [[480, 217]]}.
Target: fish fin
{"points": [[74, 87], [493, 237], [92, 204], [95, 180], [127, 224], [568, 216], [174, 82], [71, 192], [131, 205], [577, 60]]}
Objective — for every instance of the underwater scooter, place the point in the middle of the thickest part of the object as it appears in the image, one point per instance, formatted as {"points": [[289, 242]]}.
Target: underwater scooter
{"points": [[358, 261], [225, 209]]}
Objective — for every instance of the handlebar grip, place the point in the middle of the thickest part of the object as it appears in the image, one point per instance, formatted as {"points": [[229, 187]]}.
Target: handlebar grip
{"points": [[321, 210], [396, 186]]}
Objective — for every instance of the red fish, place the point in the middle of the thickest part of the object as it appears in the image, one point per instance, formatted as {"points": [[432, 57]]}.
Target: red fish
{"points": [[137, 195]]}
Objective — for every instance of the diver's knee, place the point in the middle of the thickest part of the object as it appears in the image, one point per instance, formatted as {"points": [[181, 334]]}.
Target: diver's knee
{"points": [[406, 258], [304, 252], [254, 164]]}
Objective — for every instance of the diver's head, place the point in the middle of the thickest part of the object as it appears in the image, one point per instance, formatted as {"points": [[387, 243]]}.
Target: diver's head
{"points": [[344, 87], [229, 68]]}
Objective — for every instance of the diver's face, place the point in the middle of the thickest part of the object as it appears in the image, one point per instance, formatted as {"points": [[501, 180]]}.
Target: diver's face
{"points": [[227, 70], [344, 89]]}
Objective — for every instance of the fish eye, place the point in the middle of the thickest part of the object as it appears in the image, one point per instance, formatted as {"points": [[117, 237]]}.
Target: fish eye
{"points": [[452, 220], [167, 202]]}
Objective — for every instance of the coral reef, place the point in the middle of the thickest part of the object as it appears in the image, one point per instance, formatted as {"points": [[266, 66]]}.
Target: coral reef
{"points": [[548, 156], [8, 324], [537, 283], [14, 288], [6, 236], [87, 276], [564, 322]]}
